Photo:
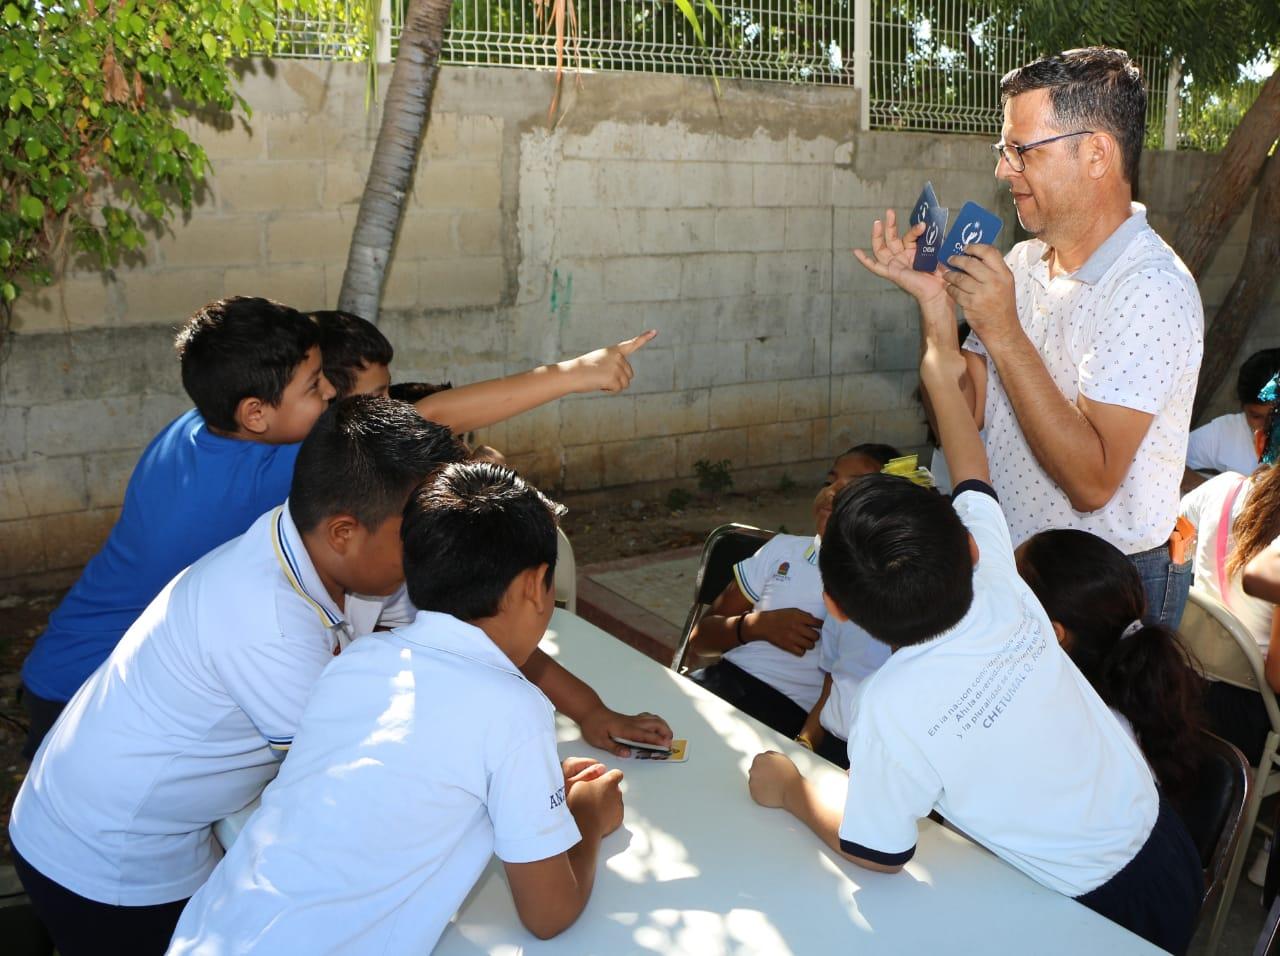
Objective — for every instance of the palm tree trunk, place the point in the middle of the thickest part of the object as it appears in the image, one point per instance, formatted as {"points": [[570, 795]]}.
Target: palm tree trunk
{"points": [[405, 115], [1253, 284], [1220, 198]]}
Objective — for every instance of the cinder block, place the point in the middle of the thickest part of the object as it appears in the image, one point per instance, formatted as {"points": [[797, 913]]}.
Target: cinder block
{"points": [[654, 367], [802, 149], [715, 185], [646, 185], [803, 399], [751, 403], [21, 547], [822, 438], [898, 350], [673, 230], [208, 241], [480, 137], [644, 459], [727, 444], [72, 304], [13, 505], [642, 279], [717, 276], [590, 232], [810, 186], [849, 430], [790, 272], [603, 418], [342, 182], [779, 442], [51, 485], [296, 285], [296, 140], [769, 185], [583, 467], [244, 186], [672, 413], [444, 185], [576, 184], [541, 467], [401, 288], [76, 427], [783, 356], [869, 392], [852, 352], [751, 230], [167, 297], [13, 433], [442, 140], [480, 233], [904, 428], [426, 234], [235, 140], [539, 428], [480, 280], [47, 369], [107, 475], [72, 539], [312, 238], [810, 229], [701, 364]]}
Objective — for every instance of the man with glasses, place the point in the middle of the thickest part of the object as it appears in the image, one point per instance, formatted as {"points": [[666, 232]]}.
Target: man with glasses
{"points": [[1086, 339]]}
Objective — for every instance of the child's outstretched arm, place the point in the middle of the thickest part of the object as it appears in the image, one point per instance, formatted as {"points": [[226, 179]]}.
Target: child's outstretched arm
{"points": [[469, 407], [580, 703], [942, 371]]}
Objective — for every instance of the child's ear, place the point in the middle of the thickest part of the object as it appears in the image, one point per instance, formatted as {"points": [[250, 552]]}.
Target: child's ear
{"points": [[339, 532], [252, 416], [536, 589], [1060, 631], [833, 608], [973, 551]]}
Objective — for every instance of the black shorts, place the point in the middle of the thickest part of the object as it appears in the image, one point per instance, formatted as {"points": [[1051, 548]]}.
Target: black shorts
{"points": [[752, 696], [1158, 893]]}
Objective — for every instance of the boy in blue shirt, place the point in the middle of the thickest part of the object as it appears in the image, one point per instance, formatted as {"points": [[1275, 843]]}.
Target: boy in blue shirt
{"points": [[253, 369]]}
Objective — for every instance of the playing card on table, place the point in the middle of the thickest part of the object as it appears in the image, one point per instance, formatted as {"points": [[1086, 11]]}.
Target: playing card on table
{"points": [[934, 216], [973, 225]]}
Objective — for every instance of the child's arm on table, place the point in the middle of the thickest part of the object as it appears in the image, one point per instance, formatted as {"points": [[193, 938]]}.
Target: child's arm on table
{"points": [[580, 703], [941, 370], [812, 732], [469, 407], [730, 622], [550, 894], [776, 782]]}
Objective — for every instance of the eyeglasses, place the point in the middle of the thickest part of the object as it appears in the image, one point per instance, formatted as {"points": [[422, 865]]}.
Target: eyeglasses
{"points": [[1011, 153]]}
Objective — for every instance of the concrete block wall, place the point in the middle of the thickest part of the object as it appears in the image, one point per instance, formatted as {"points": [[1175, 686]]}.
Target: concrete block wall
{"points": [[726, 224]]}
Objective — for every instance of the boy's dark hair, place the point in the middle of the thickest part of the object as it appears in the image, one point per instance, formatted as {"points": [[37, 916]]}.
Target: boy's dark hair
{"points": [[239, 348], [1095, 88], [414, 391], [347, 344], [468, 532], [896, 560], [363, 457], [1089, 587], [1255, 372], [876, 451]]}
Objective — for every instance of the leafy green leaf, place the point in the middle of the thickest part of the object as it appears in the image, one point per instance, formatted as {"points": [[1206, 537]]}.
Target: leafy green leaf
{"points": [[210, 44], [31, 209], [12, 14]]}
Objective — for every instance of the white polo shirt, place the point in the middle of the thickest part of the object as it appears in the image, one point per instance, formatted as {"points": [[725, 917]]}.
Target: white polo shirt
{"points": [[1224, 444], [991, 724], [783, 574], [850, 655], [177, 728], [422, 752], [1126, 328]]}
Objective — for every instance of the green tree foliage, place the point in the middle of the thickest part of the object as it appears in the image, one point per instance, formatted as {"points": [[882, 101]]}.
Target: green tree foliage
{"points": [[91, 156]]}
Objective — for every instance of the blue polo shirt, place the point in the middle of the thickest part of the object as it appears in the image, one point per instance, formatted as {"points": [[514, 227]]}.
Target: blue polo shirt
{"points": [[191, 491]]}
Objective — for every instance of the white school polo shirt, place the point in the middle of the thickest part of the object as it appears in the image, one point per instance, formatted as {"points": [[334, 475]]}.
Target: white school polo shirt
{"points": [[422, 752], [783, 574], [1126, 328], [177, 728], [1224, 444], [991, 724], [850, 655]]}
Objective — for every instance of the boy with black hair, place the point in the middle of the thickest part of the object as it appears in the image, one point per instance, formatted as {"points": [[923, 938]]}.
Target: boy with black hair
{"points": [[1226, 443], [253, 369], [448, 756], [979, 713], [185, 721]]}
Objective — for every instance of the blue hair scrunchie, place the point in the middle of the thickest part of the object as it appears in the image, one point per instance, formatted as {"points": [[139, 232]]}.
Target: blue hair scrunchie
{"points": [[1269, 394]]}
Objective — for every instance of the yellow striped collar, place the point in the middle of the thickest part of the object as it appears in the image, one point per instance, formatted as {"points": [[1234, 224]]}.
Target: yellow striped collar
{"points": [[298, 570]]}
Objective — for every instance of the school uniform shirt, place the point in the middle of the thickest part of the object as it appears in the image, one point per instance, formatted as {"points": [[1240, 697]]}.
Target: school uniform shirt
{"points": [[850, 655], [782, 574], [184, 723], [191, 491], [422, 752], [1224, 444], [1202, 506], [991, 724], [1126, 328]]}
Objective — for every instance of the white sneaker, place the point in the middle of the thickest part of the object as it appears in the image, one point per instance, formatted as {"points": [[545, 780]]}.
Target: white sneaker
{"points": [[1257, 874]]}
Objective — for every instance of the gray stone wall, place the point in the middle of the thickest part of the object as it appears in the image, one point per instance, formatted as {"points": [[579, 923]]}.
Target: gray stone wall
{"points": [[724, 223]]}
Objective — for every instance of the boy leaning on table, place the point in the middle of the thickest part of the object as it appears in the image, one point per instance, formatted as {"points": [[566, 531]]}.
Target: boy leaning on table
{"points": [[978, 713], [422, 752]]}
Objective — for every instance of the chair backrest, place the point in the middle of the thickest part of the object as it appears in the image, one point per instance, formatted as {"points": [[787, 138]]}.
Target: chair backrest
{"points": [[1214, 812], [1225, 649], [566, 577], [724, 548]]}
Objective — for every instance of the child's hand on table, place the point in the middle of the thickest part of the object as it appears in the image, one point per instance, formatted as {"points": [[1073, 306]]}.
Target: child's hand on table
{"points": [[579, 770], [596, 804], [788, 629], [602, 725], [770, 775]]}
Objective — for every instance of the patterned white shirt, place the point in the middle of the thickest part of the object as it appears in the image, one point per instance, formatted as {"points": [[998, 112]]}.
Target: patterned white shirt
{"points": [[1126, 328]]}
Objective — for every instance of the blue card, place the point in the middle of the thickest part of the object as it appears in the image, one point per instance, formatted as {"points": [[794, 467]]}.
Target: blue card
{"points": [[935, 217], [973, 225]]}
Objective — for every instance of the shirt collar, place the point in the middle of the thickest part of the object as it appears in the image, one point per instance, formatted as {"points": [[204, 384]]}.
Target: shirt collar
{"points": [[1107, 254], [811, 553], [444, 632], [298, 570]]}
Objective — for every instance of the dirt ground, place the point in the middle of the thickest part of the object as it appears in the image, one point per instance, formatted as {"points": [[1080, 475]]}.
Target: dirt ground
{"points": [[621, 530]]}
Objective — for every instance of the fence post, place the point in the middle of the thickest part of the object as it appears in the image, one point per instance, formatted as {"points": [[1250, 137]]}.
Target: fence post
{"points": [[1171, 103], [383, 53], [862, 60]]}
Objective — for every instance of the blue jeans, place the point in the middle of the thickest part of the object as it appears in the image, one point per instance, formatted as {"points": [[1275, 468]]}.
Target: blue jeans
{"points": [[1166, 585]]}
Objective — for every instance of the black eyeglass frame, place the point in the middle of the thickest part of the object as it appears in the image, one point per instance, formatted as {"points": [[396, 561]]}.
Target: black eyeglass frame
{"points": [[1002, 149]]}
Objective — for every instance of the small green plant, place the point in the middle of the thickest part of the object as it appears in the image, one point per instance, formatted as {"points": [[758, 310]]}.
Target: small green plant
{"points": [[678, 499], [786, 483], [713, 477]]}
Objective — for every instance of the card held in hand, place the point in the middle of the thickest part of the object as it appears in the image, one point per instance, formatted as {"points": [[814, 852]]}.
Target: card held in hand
{"points": [[974, 225], [935, 217]]}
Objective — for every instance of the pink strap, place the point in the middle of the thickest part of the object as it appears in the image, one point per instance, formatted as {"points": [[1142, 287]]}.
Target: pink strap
{"points": [[1220, 544]]}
